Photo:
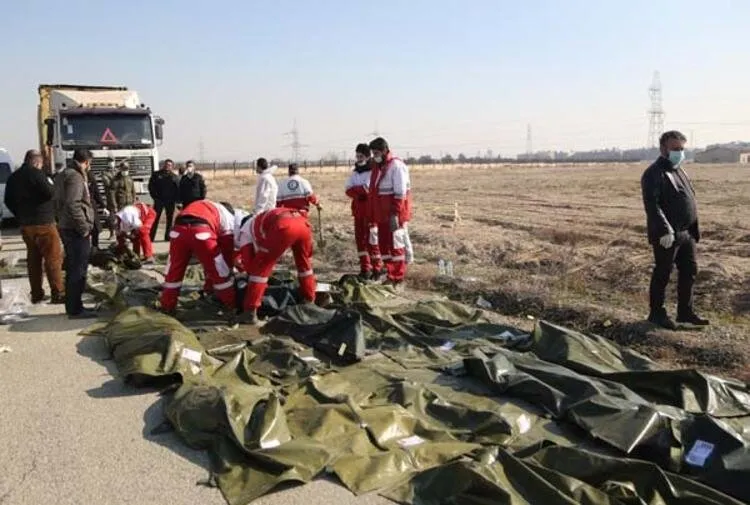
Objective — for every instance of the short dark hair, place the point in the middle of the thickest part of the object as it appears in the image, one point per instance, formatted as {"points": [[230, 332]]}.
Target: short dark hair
{"points": [[379, 144], [671, 135], [261, 163], [189, 162], [363, 149], [30, 155], [168, 160], [293, 168], [82, 155]]}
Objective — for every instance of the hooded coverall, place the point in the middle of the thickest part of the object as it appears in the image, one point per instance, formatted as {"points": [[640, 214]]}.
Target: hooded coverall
{"points": [[296, 193], [390, 204], [266, 191], [263, 239], [365, 231], [204, 229], [135, 222]]}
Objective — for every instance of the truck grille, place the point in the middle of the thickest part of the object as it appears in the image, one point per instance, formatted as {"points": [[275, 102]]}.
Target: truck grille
{"points": [[140, 166]]}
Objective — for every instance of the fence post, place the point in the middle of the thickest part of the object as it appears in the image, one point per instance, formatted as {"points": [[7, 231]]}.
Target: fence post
{"points": [[234, 168], [214, 170]]}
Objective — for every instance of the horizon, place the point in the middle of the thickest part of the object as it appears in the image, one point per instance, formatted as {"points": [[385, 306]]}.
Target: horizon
{"points": [[434, 78]]}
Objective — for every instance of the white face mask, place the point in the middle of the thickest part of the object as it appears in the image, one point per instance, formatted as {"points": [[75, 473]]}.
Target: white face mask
{"points": [[111, 166], [361, 163], [124, 173], [378, 159]]}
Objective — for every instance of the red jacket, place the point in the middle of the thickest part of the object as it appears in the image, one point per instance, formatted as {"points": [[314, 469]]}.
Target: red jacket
{"points": [[219, 219], [296, 193], [390, 191], [358, 189]]}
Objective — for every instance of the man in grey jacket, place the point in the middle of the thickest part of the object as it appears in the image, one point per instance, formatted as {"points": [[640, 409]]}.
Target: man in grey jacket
{"points": [[75, 219]]}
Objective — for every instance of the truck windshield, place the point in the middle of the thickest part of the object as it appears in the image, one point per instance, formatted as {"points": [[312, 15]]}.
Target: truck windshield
{"points": [[106, 130]]}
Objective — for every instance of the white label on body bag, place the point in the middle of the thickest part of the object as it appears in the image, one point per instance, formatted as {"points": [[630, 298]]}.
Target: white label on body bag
{"points": [[700, 452]]}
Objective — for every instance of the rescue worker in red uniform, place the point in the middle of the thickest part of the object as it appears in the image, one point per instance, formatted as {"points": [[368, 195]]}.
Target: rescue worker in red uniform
{"points": [[296, 192], [390, 205], [365, 231], [134, 222], [262, 240], [204, 229]]}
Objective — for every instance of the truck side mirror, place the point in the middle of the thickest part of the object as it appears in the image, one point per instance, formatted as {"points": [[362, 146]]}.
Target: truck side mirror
{"points": [[159, 128], [50, 131]]}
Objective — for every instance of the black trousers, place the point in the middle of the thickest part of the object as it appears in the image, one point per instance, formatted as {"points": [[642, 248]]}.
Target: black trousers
{"points": [[168, 208], [77, 252], [682, 254], [95, 233]]}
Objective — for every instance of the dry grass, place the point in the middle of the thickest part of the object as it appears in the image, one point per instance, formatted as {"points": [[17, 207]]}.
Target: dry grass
{"points": [[563, 242]]}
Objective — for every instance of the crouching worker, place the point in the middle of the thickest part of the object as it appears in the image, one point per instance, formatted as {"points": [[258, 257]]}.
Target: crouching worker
{"points": [[204, 229], [134, 222], [262, 240]]}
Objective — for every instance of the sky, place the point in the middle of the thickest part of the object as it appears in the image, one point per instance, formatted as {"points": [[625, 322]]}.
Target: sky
{"points": [[431, 76]]}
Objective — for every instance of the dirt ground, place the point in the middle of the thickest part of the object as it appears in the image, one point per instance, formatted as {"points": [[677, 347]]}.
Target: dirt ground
{"points": [[563, 243]]}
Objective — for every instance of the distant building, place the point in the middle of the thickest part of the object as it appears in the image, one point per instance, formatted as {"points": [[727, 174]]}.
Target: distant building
{"points": [[724, 154]]}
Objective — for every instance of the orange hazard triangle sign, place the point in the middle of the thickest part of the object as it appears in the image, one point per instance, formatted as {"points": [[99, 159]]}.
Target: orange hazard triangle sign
{"points": [[108, 137]]}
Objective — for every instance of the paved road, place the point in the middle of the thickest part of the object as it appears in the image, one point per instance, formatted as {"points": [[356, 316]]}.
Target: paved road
{"points": [[72, 433]]}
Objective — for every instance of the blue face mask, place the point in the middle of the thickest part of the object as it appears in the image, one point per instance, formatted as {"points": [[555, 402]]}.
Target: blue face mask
{"points": [[676, 158]]}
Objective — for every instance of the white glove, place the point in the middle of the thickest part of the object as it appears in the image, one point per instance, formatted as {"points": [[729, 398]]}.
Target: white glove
{"points": [[667, 241], [105, 212]]}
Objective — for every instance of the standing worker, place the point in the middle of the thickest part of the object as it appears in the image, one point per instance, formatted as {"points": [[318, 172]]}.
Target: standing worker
{"points": [[29, 196], [262, 240], [296, 192], [121, 191], [134, 222], [164, 188], [390, 203], [672, 221], [75, 217], [203, 229], [192, 185], [267, 189], [365, 231]]}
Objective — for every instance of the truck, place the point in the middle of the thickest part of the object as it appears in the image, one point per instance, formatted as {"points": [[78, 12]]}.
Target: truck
{"points": [[110, 121]]}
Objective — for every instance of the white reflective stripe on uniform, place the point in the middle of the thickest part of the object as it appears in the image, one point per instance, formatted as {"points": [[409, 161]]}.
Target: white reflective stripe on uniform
{"points": [[376, 257], [172, 285], [260, 249], [398, 258], [306, 273], [362, 254], [385, 192], [224, 285], [174, 234], [386, 257], [399, 239], [256, 279], [374, 235], [204, 235], [221, 266]]}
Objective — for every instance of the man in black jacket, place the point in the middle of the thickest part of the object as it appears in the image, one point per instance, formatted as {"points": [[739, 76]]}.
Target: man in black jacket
{"points": [[192, 185], [28, 195], [163, 186], [672, 220]]}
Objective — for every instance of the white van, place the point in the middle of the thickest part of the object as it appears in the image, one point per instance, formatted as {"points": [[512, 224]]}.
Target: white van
{"points": [[6, 168]]}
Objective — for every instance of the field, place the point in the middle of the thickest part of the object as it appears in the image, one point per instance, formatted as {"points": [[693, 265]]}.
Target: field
{"points": [[563, 243]]}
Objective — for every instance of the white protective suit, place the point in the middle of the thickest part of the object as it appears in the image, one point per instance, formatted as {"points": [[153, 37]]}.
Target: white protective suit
{"points": [[266, 191]]}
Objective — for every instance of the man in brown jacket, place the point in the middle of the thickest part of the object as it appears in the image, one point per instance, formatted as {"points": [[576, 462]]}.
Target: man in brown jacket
{"points": [[75, 218], [28, 194]]}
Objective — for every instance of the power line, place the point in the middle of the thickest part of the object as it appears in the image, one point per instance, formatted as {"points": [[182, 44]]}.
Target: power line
{"points": [[655, 113]]}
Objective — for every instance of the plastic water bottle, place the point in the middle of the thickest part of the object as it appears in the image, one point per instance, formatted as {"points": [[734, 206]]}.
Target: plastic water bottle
{"points": [[449, 269], [441, 267]]}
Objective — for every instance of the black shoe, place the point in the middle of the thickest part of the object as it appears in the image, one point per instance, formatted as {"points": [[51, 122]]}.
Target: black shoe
{"points": [[663, 320], [57, 299], [377, 275], [249, 318], [38, 299], [84, 314], [693, 319], [365, 276]]}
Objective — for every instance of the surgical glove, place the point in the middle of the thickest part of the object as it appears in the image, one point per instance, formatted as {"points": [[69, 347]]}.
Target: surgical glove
{"points": [[394, 223], [667, 241]]}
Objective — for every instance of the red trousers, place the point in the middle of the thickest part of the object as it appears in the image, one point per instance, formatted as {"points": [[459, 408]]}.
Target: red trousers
{"points": [[185, 241], [393, 248], [141, 237], [368, 251], [280, 233]]}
